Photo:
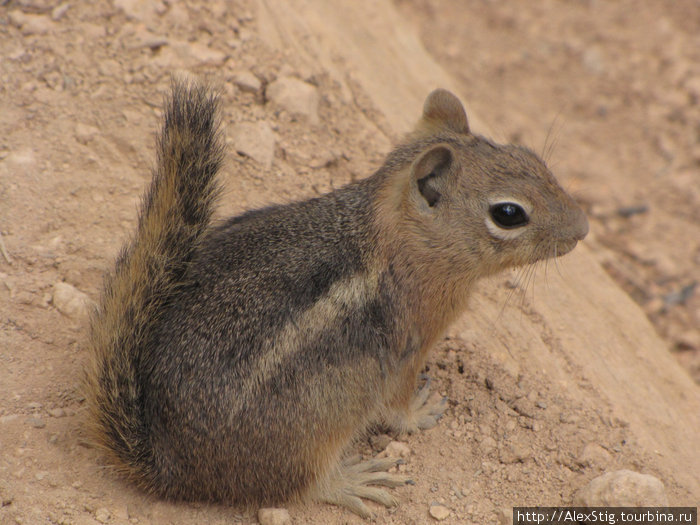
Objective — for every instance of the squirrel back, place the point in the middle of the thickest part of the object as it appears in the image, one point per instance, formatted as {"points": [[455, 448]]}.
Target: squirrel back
{"points": [[238, 362]]}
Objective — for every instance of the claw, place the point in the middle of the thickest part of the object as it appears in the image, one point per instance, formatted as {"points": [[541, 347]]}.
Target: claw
{"points": [[423, 411], [352, 482]]}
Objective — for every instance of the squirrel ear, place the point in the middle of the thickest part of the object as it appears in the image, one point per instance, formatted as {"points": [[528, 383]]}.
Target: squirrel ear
{"points": [[429, 173], [444, 109]]}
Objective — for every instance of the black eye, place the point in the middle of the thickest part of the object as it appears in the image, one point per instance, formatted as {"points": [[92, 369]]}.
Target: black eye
{"points": [[508, 215]]}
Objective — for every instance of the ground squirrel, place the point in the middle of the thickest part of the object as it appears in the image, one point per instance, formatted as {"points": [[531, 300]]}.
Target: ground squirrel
{"points": [[236, 362]]}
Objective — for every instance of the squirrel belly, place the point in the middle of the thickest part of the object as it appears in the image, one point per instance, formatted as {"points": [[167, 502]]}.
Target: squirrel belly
{"points": [[236, 362]]}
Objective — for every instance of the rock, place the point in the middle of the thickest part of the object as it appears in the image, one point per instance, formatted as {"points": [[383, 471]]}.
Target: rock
{"points": [[247, 81], [514, 453], [85, 133], [396, 449], [439, 512], [137, 9], [205, 55], [6, 495], [70, 301], [524, 407], [271, 516], [505, 516], [593, 455], [178, 14], [255, 140], [59, 12], [569, 418], [622, 488], [179, 53], [295, 96], [488, 445], [30, 24], [102, 515], [121, 514], [24, 159], [57, 412], [36, 422]]}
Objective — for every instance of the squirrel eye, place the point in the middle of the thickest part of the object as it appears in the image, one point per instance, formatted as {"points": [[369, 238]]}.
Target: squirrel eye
{"points": [[508, 215]]}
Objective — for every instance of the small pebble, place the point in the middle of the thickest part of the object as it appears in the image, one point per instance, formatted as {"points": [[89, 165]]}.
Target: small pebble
{"points": [[85, 133], [396, 449], [70, 301], [205, 55], [59, 11], [524, 407], [30, 24], [439, 512], [488, 445], [623, 488], [593, 455], [514, 453], [102, 515], [36, 422], [255, 140], [57, 412], [569, 418], [247, 81], [505, 516], [295, 96], [135, 9]]}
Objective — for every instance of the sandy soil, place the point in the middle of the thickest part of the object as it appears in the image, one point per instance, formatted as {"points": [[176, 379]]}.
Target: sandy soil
{"points": [[612, 97]]}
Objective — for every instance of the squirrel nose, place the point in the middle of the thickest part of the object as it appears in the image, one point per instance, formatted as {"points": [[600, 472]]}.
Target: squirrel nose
{"points": [[581, 226]]}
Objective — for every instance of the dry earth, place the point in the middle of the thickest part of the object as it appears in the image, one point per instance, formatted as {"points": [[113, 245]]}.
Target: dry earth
{"points": [[610, 92]]}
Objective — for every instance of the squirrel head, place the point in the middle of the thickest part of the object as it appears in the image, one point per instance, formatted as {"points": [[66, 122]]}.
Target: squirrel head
{"points": [[476, 205]]}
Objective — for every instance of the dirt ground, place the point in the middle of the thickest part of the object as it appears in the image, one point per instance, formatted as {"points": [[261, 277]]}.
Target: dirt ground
{"points": [[610, 92]]}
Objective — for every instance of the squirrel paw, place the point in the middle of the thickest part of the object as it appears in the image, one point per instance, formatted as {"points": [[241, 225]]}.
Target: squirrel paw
{"points": [[423, 412], [350, 483]]}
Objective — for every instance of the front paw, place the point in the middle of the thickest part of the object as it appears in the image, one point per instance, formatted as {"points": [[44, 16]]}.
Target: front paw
{"points": [[423, 412]]}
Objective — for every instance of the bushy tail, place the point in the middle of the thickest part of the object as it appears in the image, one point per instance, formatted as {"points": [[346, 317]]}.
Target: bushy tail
{"points": [[175, 213]]}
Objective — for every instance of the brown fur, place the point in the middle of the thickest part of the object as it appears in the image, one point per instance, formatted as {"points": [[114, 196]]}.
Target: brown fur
{"points": [[237, 362]]}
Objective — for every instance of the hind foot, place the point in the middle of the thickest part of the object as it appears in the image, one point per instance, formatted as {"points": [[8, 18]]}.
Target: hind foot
{"points": [[349, 484]]}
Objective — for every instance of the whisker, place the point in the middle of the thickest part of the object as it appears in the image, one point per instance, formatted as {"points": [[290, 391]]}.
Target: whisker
{"points": [[515, 288], [531, 284], [556, 262], [550, 145], [530, 276]]}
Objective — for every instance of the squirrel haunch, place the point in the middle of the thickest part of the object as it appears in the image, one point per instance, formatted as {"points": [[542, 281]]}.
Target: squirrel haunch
{"points": [[236, 362]]}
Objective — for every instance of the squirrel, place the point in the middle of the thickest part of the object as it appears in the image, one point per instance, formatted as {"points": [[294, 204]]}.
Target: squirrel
{"points": [[237, 360]]}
